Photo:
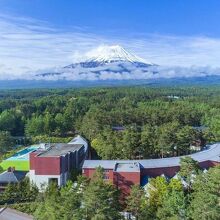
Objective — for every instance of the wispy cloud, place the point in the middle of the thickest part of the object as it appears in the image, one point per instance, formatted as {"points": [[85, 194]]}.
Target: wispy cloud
{"points": [[27, 45]]}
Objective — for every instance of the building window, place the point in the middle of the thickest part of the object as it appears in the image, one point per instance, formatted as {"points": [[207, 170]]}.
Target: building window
{"points": [[53, 180], [106, 171], [106, 177], [83, 171]]}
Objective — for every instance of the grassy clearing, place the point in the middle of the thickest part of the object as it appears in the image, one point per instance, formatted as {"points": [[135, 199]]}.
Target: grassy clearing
{"points": [[19, 165]]}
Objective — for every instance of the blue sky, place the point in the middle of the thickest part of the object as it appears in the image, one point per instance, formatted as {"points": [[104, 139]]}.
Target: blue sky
{"points": [[37, 34], [178, 17]]}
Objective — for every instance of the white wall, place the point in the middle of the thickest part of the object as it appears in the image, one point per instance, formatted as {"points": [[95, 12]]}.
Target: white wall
{"points": [[42, 181], [80, 140]]}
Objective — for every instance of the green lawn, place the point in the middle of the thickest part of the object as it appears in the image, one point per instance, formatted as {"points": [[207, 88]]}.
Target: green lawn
{"points": [[19, 165]]}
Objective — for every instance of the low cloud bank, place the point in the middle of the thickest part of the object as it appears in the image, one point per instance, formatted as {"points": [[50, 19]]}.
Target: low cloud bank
{"points": [[119, 71]]}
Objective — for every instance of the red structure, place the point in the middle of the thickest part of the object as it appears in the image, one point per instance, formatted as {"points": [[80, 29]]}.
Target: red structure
{"points": [[55, 163], [124, 174], [45, 165]]}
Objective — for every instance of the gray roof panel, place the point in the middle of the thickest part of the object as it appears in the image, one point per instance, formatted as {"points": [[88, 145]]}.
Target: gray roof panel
{"points": [[211, 153], [127, 167], [12, 177], [60, 149], [12, 214]]}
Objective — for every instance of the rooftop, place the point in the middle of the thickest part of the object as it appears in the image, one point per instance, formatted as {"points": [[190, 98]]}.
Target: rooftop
{"points": [[12, 176], [80, 140], [12, 214], [118, 128], [211, 153], [60, 149], [127, 167]]}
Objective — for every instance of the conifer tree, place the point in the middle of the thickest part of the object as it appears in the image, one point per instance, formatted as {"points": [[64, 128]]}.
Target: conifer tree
{"points": [[206, 196], [136, 201], [100, 199]]}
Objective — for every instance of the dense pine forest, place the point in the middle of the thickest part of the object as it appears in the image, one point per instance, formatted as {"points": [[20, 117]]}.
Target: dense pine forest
{"points": [[120, 123], [136, 122]]}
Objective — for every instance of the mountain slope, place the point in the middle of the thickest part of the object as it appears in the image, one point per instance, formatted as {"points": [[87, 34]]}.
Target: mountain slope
{"points": [[111, 61], [108, 54], [115, 63]]}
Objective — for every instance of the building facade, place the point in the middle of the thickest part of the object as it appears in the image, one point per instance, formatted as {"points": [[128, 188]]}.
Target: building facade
{"points": [[80, 140], [56, 163], [125, 173]]}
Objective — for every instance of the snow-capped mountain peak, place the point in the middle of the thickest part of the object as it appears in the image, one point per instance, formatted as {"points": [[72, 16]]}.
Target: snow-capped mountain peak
{"points": [[111, 61], [109, 54]]}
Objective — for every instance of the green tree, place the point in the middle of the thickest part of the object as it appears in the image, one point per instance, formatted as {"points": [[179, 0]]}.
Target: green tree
{"points": [[205, 197], [109, 145], [189, 168], [166, 140], [49, 124], [174, 203], [11, 121], [91, 124], [147, 145], [185, 136], [70, 201], [213, 122], [131, 143], [20, 192], [175, 184], [100, 199], [61, 125], [136, 201], [173, 206], [35, 126], [1, 169], [157, 188], [7, 121], [6, 141], [49, 205]]}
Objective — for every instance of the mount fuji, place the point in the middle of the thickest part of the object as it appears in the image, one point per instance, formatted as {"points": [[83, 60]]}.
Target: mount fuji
{"points": [[105, 62], [110, 66], [110, 54]]}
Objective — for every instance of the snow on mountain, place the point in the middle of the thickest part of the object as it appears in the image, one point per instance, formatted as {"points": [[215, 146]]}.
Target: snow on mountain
{"points": [[105, 55], [115, 63], [109, 54], [104, 62]]}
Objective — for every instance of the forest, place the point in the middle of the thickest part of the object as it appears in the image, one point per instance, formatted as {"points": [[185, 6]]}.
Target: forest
{"points": [[120, 123]]}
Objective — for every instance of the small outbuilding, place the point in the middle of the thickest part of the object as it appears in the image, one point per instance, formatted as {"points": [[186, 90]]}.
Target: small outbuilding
{"points": [[11, 176]]}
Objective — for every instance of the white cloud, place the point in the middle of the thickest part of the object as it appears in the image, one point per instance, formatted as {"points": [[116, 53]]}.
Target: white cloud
{"points": [[27, 45], [122, 71]]}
